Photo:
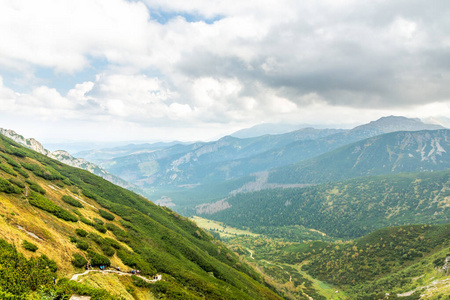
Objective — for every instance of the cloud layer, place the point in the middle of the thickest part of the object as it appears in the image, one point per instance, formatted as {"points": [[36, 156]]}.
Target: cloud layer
{"points": [[220, 65]]}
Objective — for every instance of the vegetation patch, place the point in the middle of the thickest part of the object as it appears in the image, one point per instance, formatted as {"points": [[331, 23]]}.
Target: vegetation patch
{"points": [[29, 246], [8, 170], [43, 203], [81, 232], [106, 215], [78, 260], [98, 260], [20, 276], [7, 187], [36, 187], [71, 201], [17, 182], [46, 172], [82, 245]]}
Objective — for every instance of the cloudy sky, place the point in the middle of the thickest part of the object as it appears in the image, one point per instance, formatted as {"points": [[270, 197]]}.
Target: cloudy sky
{"points": [[163, 70]]}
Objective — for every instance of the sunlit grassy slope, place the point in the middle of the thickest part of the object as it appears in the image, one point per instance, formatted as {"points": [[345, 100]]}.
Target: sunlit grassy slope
{"points": [[106, 224]]}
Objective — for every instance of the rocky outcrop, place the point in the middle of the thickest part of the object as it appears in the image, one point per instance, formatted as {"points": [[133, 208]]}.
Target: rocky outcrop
{"points": [[66, 158]]}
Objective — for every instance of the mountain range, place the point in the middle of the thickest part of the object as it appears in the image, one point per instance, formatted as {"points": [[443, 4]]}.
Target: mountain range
{"points": [[383, 154], [231, 158]]}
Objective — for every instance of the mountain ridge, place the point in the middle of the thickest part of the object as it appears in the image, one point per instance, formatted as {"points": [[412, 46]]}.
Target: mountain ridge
{"points": [[394, 152], [230, 157], [65, 157]]}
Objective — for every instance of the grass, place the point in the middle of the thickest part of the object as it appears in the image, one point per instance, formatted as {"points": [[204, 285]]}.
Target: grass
{"points": [[322, 288], [224, 231], [119, 286], [15, 211]]}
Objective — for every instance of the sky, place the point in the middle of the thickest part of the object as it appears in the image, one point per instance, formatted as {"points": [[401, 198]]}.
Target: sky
{"points": [[155, 70]]}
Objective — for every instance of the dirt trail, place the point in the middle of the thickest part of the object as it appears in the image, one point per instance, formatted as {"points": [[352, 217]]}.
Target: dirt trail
{"points": [[75, 277]]}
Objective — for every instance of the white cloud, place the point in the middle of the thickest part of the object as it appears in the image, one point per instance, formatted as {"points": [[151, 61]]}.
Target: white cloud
{"points": [[61, 35], [240, 63]]}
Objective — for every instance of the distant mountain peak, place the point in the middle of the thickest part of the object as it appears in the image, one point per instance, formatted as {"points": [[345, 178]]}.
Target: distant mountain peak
{"points": [[396, 123]]}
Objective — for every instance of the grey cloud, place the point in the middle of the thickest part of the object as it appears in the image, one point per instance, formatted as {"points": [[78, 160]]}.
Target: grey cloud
{"points": [[353, 70]]}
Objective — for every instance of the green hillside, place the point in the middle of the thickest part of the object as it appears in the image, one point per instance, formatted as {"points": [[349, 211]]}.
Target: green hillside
{"points": [[61, 217], [345, 209], [402, 262], [390, 261]]}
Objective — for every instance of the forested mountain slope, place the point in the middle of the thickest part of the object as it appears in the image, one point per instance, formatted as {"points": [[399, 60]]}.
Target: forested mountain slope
{"points": [[72, 216], [384, 154], [345, 209], [407, 261]]}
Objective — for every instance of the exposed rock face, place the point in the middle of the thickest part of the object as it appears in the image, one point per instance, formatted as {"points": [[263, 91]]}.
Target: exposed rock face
{"points": [[29, 143], [66, 158]]}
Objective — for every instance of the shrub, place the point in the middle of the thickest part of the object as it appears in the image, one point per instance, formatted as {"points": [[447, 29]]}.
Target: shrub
{"points": [[100, 228], [98, 221], [17, 182], [86, 221], [35, 187], [106, 215], [71, 201], [96, 238], [113, 243], [7, 169], [20, 275], [10, 161], [7, 187], [108, 251], [98, 259], [29, 246], [89, 194], [82, 245], [78, 260], [127, 258], [46, 172], [17, 152], [59, 184], [21, 172], [81, 232], [43, 203]]}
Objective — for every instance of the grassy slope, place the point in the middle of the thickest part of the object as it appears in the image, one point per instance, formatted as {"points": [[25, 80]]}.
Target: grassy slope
{"points": [[153, 239]]}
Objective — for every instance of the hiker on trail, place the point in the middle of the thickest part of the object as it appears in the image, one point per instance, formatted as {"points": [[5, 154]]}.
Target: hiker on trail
{"points": [[54, 280], [132, 271], [138, 272]]}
